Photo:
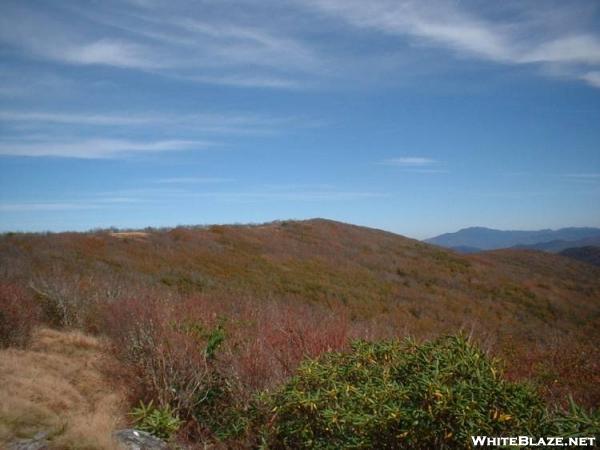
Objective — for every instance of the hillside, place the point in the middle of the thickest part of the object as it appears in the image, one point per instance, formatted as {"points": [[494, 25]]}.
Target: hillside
{"points": [[490, 239], [589, 254], [209, 322], [374, 274]]}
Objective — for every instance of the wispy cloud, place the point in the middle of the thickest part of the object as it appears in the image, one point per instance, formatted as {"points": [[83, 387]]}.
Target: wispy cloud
{"points": [[304, 196], [592, 78], [122, 198], [191, 180], [269, 192], [163, 42], [50, 206], [584, 176], [88, 203], [80, 118], [410, 161], [227, 122], [531, 36], [254, 47], [109, 52], [96, 148]]}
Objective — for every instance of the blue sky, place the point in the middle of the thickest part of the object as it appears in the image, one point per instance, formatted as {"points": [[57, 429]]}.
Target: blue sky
{"points": [[419, 117]]}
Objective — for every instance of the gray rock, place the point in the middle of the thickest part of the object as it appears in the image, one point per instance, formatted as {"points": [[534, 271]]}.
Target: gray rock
{"points": [[37, 442], [131, 439]]}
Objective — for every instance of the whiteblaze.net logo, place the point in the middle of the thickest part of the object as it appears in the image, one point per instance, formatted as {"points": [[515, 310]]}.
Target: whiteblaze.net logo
{"points": [[528, 441]]}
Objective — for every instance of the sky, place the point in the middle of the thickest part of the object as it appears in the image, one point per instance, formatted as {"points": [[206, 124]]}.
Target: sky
{"points": [[418, 117]]}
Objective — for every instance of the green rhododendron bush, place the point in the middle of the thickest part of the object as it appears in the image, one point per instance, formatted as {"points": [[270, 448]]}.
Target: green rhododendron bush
{"points": [[401, 394]]}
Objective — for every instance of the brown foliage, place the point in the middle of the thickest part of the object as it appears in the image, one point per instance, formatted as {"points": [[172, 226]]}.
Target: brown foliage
{"points": [[19, 314], [561, 367]]}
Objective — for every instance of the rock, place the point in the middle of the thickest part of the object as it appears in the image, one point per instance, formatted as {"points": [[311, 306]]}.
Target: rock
{"points": [[37, 442], [130, 439]]}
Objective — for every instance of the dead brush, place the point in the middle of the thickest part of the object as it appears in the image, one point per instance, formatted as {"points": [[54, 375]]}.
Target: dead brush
{"points": [[19, 314], [172, 362]]}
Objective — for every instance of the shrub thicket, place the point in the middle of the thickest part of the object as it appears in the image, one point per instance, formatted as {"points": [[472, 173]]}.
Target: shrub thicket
{"points": [[19, 314], [400, 394]]}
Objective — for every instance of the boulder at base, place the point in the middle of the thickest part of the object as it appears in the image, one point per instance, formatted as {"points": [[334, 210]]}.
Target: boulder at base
{"points": [[38, 442], [130, 439]]}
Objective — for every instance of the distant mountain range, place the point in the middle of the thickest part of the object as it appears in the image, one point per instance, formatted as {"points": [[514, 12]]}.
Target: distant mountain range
{"points": [[474, 239], [560, 245]]}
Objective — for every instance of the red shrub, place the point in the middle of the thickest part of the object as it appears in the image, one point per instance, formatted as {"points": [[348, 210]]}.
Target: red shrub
{"points": [[560, 367], [19, 313], [264, 341]]}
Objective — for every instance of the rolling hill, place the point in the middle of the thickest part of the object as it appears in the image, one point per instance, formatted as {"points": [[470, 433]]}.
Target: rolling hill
{"points": [[480, 238], [375, 275], [237, 311]]}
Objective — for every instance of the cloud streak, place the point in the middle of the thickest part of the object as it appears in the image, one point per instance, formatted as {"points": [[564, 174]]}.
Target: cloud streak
{"points": [[50, 206], [583, 176], [410, 161], [193, 180], [255, 48], [97, 148], [202, 122], [158, 41], [526, 39]]}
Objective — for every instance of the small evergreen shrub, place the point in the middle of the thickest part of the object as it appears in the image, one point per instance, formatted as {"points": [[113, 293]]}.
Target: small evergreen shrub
{"points": [[400, 394], [160, 422], [576, 421]]}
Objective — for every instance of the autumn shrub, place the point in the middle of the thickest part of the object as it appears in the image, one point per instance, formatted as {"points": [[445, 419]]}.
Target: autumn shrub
{"points": [[171, 351], [400, 394], [61, 300], [560, 367], [272, 339], [19, 314]]}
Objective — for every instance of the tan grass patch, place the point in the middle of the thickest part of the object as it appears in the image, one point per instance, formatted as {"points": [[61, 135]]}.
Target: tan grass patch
{"points": [[130, 235], [59, 385]]}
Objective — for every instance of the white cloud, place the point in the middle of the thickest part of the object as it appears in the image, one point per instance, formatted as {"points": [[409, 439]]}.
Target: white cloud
{"points": [[583, 49], [525, 39], [593, 78], [96, 148], [80, 118], [299, 195], [410, 161], [45, 37], [251, 46], [227, 122], [112, 53], [589, 176], [188, 180], [90, 203], [246, 80], [24, 207], [183, 46]]}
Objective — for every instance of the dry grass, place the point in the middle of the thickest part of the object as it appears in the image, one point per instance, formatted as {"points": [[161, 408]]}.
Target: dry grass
{"points": [[129, 235], [59, 385]]}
